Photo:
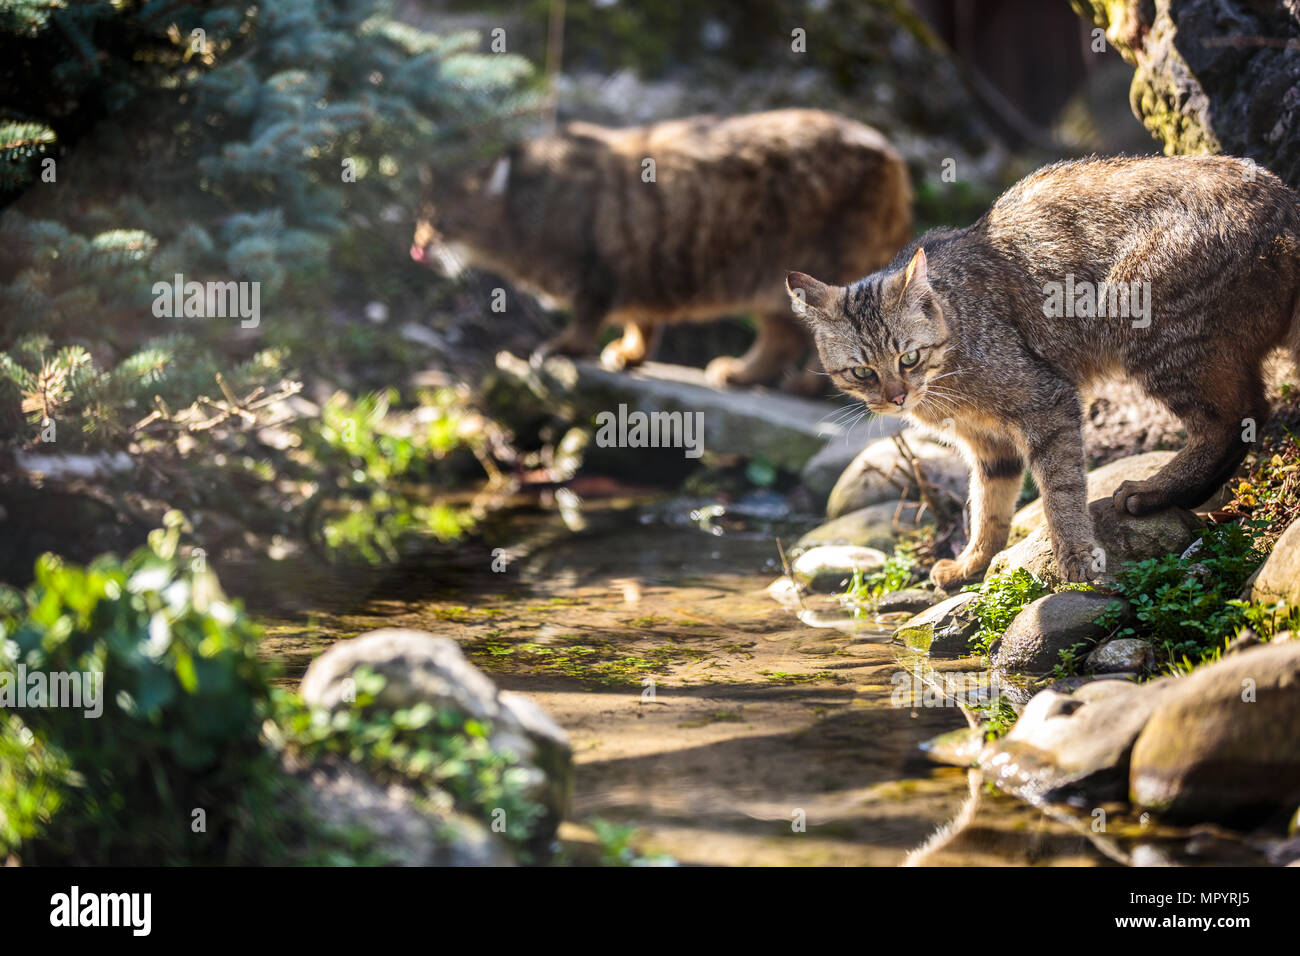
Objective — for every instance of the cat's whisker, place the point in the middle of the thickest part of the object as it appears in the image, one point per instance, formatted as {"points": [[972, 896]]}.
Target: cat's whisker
{"points": [[956, 371], [942, 390], [842, 414]]}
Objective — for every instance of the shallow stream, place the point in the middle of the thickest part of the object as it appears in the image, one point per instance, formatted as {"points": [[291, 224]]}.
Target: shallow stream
{"points": [[700, 711]]}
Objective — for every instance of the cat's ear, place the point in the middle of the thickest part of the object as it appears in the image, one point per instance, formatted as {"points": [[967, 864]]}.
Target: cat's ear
{"points": [[914, 280], [806, 292], [499, 178]]}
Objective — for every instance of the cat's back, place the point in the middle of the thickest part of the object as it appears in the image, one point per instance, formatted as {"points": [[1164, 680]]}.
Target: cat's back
{"points": [[712, 139], [705, 212], [1095, 210]]}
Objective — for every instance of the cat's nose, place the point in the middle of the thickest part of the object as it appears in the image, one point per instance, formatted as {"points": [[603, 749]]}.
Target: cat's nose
{"points": [[899, 398]]}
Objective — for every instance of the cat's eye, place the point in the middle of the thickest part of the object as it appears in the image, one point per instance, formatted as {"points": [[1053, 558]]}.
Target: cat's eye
{"points": [[862, 373], [910, 359]]}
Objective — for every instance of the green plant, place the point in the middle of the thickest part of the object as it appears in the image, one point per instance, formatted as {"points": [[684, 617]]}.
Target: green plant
{"points": [[172, 754], [181, 694], [448, 758], [1069, 660], [1188, 611], [279, 146], [1000, 598], [998, 717], [895, 574], [616, 849]]}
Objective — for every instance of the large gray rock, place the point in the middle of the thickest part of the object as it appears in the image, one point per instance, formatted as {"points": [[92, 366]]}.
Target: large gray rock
{"points": [[824, 468], [879, 473], [876, 526], [1279, 578], [1223, 745], [951, 624], [1212, 76], [1121, 536], [1074, 747], [404, 829], [785, 430], [1102, 483], [1033, 642], [419, 668]]}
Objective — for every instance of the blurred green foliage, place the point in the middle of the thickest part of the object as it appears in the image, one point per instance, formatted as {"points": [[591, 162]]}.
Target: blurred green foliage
{"points": [[178, 757], [182, 694]]}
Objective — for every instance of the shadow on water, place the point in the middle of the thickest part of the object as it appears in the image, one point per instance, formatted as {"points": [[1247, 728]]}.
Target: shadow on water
{"points": [[700, 711]]}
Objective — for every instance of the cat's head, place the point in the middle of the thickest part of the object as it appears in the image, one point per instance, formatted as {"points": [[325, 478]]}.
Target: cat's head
{"points": [[881, 339], [460, 212]]}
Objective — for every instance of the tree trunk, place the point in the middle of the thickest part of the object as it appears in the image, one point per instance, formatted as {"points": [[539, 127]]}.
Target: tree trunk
{"points": [[1212, 76]]}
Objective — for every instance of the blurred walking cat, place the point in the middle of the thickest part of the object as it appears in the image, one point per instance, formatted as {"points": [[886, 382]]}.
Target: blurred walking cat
{"points": [[1181, 273], [683, 220]]}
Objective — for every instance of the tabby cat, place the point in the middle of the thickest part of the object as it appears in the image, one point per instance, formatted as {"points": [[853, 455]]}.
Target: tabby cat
{"points": [[1181, 273], [688, 219]]}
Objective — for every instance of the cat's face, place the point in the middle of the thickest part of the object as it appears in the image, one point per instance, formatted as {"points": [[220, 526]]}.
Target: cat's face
{"points": [[459, 213], [882, 340]]}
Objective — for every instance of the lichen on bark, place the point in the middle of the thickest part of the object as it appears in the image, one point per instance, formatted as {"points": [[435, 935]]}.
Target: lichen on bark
{"points": [[1212, 76]]}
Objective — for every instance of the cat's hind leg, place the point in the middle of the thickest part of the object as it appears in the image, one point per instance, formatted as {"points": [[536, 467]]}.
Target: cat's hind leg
{"points": [[780, 343], [1054, 436], [1221, 418], [579, 336]]}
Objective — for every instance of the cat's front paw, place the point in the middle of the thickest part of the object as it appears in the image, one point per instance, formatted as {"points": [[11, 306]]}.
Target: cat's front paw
{"points": [[1139, 498], [725, 370], [949, 574], [616, 358], [1082, 565]]}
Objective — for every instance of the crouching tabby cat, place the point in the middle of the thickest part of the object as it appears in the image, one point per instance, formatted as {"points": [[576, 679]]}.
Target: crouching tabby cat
{"points": [[1179, 272], [683, 220]]}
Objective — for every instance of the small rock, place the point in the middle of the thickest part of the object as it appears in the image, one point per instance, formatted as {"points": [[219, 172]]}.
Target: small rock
{"points": [[1279, 578], [958, 748], [830, 568], [1121, 536], [1285, 852], [875, 526], [416, 666], [912, 600], [1033, 642], [1222, 747], [952, 621], [1122, 655], [876, 473]]}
